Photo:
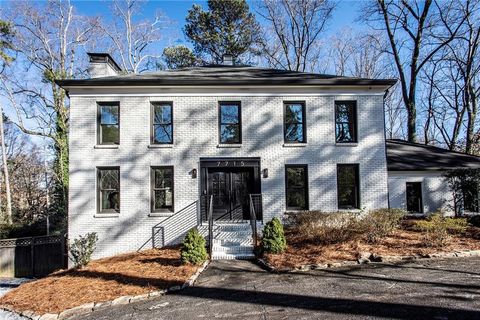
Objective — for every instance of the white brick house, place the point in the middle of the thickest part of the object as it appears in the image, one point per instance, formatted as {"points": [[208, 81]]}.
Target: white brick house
{"points": [[145, 148]]}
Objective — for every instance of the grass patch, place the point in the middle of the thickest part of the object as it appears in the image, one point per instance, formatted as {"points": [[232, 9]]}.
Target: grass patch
{"points": [[102, 280]]}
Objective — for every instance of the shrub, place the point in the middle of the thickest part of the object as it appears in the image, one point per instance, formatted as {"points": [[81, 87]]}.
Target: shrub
{"points": [[377, 224], [324, 228], [193, 248], [438, 228], [474, 221], [82, 248], [273, 240]]}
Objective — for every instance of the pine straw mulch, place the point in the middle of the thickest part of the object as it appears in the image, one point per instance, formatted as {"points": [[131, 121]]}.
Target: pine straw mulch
{"points": [[401, 242], [102, 280]]}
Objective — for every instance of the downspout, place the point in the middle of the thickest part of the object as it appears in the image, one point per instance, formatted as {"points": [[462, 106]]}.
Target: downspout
{"points": [[385, 140]]}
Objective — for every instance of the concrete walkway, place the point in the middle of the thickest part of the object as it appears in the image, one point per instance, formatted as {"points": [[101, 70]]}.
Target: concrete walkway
{"points": [[429, 289]]}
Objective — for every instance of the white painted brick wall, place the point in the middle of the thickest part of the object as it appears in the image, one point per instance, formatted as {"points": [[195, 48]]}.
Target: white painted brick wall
{"points": [[435, 192], [195, 136]]}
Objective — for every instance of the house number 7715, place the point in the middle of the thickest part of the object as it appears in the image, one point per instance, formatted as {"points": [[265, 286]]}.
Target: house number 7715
{"points": [[226, 163]]}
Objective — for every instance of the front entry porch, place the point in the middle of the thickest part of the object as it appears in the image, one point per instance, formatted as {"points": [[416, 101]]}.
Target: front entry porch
{"points": [[231, 206]]}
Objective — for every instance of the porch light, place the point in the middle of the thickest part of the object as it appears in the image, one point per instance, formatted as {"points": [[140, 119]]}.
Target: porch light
{"points": [[193, 173], [265, 173]]}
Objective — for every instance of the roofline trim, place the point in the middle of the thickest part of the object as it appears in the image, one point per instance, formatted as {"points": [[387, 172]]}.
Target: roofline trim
{"points": [[98, 82]]}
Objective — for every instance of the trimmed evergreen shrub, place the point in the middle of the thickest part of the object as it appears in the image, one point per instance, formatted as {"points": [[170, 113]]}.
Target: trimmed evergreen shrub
{"points": [[81, 249], [273, 240], [193, 248]]}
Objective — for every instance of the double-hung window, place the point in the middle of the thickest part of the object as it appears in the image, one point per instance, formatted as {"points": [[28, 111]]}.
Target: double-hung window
{"points": [[345, 121], [294, 122], [108, 123], [296, 183], [108, 189], [348, 186], [162, 123], [162, 189], [230, 123]]}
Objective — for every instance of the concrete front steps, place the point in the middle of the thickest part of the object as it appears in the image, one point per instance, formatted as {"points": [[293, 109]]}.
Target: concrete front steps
{"points": [[230, 240]]}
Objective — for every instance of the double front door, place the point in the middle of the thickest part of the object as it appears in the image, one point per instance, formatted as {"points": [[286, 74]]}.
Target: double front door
{"points": [[230, 188]]}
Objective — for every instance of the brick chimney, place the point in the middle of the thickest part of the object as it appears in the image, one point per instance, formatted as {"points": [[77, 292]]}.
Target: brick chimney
{"points": [[102, 65]]}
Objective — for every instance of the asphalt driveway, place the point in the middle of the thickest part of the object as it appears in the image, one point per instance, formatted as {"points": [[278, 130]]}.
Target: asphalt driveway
{"points": [[428, 289]]}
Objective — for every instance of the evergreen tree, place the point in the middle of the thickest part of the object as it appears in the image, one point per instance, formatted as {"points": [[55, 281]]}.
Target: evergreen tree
{"points": [[228, 27], [176, 57]]}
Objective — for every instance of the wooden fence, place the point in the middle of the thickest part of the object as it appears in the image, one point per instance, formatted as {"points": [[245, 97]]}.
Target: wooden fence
{"points": [[32, 257]]}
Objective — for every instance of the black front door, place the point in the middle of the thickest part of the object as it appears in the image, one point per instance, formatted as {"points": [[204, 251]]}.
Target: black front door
{"points": [[230, 188]]}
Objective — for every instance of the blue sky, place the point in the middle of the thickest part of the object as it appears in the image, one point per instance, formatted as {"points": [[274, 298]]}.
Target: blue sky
{"points": [[176, 10]]}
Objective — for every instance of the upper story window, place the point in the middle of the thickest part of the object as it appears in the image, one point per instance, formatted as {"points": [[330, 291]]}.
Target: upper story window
{"points": [[108, 189], [296, 185], [162, 123], [230, 123], [294, 122], [108, 123], [162, 189], [348, 186], [345, 121]]}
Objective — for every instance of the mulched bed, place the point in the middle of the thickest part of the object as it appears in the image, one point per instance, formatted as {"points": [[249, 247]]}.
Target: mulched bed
{"points": [[402, 242], [102, 280]]}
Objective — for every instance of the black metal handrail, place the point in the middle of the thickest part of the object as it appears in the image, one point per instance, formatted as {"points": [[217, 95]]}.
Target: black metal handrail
{"points": [[253, 219], [210, 226]]}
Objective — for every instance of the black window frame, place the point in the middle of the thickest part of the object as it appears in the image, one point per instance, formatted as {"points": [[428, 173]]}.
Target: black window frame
{"points": [[303, 123], [99, 122], [152, 122], [152, 190], [99, 190], [421, 196], [306, 187], [357, 186], [239, 124], [353, 103]]}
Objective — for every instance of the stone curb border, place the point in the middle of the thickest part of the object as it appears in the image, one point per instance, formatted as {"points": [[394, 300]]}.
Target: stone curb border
{"points": [[87, 308], [367, 257]]}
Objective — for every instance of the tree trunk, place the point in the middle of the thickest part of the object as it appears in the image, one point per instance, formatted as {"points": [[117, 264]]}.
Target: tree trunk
{"points": [[5, 171]]}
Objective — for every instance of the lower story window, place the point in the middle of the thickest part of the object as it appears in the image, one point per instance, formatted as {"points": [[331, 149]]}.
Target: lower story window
{"points": [[414, 197], [471, 199], [348, 186], [162, 189], [108, 184], [296, 179]]}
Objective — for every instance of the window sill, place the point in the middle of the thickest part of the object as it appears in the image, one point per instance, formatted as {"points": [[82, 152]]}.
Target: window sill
{"points": [[161, 214], [106, 215], [295, 145], [226, 145], [106, 146], [160, 146], [346, 144]]}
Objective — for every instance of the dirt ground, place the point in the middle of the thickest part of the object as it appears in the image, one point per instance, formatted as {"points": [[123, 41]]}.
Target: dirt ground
{"points": [[102, 280], [400, 243]]}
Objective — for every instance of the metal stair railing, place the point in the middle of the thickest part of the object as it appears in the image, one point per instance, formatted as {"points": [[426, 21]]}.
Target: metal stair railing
{"points": [[253, 217], [210, 226]]}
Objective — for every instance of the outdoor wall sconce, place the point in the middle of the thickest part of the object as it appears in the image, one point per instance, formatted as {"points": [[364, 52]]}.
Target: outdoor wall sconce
{"points": [[265, 173], [193, 173]]}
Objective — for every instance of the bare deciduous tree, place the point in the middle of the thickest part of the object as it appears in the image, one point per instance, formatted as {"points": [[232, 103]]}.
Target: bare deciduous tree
{"points": [[293, 32], [130, 39], [412, 30], [48, 38]]}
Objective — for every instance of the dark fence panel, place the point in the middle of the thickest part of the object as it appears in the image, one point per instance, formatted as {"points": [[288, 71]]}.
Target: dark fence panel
{"points": [[32, 257]]}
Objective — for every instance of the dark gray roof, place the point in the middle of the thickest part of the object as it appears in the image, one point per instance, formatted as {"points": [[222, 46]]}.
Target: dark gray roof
{"points": [[406, 156], [224, 75]]}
